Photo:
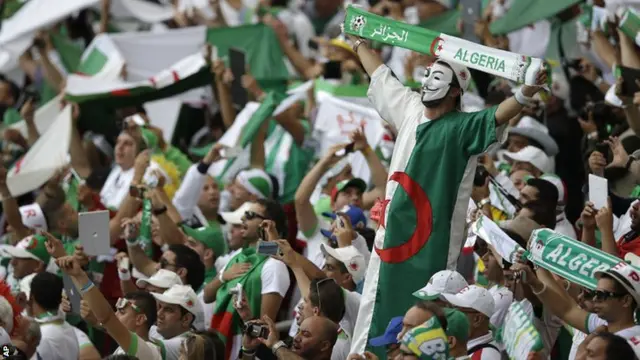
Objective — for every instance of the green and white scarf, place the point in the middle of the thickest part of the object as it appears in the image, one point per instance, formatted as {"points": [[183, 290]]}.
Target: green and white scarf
{"points": [[512, 66]]}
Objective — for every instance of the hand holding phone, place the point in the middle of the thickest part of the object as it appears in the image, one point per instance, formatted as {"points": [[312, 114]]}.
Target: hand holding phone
{"points": [[269, 248], [346, 150]]}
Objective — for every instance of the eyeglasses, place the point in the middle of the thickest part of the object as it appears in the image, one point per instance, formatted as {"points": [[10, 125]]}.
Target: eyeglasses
{"points": [[250, 215], [122, 303], [599, 295], [318, 292], [587, 293]]}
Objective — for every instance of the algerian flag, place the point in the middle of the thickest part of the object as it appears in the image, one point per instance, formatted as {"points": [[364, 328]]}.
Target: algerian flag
{"points": [[336, 119], [489, 231], [44, 158], [44, 117], [279, 144], [101, 59], [18, 31]]}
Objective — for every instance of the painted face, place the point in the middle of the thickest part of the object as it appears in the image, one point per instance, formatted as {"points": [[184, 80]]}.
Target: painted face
{"points": [[436, 82]]}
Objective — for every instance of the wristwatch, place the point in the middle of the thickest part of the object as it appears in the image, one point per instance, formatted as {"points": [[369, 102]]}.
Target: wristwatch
{"points": [[483, 202], [277, 346]]}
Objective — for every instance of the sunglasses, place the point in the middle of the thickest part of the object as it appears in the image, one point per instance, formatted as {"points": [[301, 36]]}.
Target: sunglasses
{"points": [[122, 303], [250, 215], [599, 295]]}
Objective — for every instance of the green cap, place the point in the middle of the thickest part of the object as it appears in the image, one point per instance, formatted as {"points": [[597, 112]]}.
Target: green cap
{"points": [[344, 184], [209, 236], [457, 325], [31, 247]]}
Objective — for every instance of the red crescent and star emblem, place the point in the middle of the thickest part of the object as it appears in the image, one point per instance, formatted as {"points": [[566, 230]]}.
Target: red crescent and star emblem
{"points": [[424, 223], [436, 46]]}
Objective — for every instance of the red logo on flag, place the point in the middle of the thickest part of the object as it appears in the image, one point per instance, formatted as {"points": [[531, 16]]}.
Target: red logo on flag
{"points": [[424, 223], [436, 46], [33, 243]]}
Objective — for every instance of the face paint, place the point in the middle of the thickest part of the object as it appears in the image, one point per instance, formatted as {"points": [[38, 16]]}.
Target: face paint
{"points": [[436, 82]]}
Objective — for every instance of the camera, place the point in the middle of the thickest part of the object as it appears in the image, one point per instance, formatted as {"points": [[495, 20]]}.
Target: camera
{"points": [[481, 176], [256, 330]]}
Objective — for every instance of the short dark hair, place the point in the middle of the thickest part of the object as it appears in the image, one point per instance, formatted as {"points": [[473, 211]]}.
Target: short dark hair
{"points": [[617, 347], [547, 192], [275, 212], [46, 290], [121, 357], [190, 260], [542, 213], [330, 300], [147, 303], [435, 309]]}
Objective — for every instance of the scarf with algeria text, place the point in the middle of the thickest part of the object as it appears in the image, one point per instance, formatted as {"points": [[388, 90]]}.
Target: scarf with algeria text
{"points": [[515, 67]]}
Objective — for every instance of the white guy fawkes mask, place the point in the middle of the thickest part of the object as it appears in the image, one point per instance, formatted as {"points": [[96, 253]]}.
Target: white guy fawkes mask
{"points": [[436, 82]]}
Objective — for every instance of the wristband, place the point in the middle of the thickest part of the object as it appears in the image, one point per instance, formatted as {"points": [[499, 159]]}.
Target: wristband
{"points": [[248, 352], [88, 286], [544, 287], [483, 202], [357, 44], [521, 99]]}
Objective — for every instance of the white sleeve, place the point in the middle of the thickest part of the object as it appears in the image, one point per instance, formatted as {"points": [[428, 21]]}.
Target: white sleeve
{"points": [[275, 277], [186, 198], [361, 245], [507, 184], [393, 101], [592, 322], [351, 308], [171, 348], [503, 299]]}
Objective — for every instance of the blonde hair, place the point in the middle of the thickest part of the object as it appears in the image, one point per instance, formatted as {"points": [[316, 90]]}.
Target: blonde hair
{"points": [[195, 346]]}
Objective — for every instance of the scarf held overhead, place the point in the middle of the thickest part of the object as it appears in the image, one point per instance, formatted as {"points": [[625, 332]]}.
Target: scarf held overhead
{"points": [[515, 67]]}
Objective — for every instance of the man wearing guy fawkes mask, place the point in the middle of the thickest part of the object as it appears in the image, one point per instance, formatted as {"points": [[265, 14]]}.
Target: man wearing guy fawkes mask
{"points": [[438, 84], [432, 167]]}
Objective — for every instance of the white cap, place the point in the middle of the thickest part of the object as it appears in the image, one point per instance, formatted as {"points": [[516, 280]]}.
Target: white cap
{"points": [[532, 155], [442, 282], [627, 276], [472, 297], [352, 259], [235, 217], [182, 295], [33, 217], [19, 251], [163, 279]]}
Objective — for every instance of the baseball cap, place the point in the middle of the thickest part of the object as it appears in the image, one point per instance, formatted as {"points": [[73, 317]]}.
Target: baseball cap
{"points": [[390, 335], [234, 217], [442, 282], [209, 236], [532, 155], [535, 130], [457, 324], [182, 295], [257, 182], [31, 247], [624, 274], [460, 71], [352, 259], [355, 214], [345, 184], [472, 297], [163, 279], [428, 336]]}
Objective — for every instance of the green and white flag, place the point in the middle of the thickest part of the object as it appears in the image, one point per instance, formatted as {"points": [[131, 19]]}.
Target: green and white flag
{"points": [[44, 158], [569, 258], [519, 334], [515, 67], [493, 235], [630, 24]]}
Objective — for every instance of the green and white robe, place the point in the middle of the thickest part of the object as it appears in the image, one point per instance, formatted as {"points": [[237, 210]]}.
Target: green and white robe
{"points": [[430, 179]]}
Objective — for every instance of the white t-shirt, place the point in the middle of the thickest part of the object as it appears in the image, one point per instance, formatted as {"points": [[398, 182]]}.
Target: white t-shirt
{"points": [[141, 349], [58, 342], [169, 347], [83, 339], [502, 297], [593, 321], [275, 279], [487, 353]]}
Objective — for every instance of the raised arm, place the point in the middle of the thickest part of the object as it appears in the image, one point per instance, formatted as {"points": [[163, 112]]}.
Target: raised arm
{"points": [[512, 106]]}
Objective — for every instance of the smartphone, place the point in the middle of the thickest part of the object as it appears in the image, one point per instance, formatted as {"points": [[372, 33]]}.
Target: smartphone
{"points": [[471, 11], [238, 64], [237, 291], [629, 85], [93, 231], [268, 248], [603, 149], [72, 294], [333, 70], [346, 150]]}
